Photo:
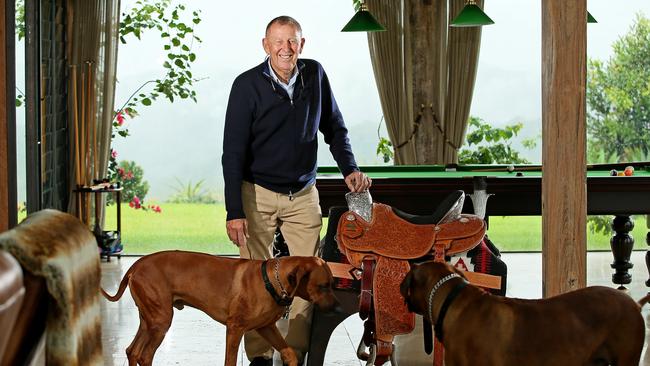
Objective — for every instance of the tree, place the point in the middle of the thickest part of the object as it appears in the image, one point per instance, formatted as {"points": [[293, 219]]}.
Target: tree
{"points": [[178, 81], [131, 178], [173, 25], [491, 145], [484, 144], [618, 96], [156, 15]]}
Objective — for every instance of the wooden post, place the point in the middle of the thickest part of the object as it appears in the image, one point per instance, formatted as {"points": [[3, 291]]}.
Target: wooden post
{"points": [[8, 199], [564, 182], [425, 68]]}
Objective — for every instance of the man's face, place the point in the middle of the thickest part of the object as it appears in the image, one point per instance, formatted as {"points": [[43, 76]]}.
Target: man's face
{"points": [[283, 43]]}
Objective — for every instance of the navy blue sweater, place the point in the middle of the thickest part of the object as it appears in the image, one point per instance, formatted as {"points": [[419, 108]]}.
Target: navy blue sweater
{"points": [[271, 140]]}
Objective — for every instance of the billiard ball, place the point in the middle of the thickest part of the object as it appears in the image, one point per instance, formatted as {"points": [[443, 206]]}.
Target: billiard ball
{"points": [[520, 174], [629, 171], [621, 174], [613, 172], [511, 168]]}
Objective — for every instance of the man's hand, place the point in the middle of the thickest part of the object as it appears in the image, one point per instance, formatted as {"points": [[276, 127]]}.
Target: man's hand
{"points": [[358, 181], [237, 230]]}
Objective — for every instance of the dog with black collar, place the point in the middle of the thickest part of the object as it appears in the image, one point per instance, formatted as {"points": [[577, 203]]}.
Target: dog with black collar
{"points": [[243, 294]]}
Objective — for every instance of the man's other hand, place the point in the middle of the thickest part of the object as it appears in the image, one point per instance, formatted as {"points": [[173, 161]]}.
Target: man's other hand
{"points": [[237, 230], [358, 181]]}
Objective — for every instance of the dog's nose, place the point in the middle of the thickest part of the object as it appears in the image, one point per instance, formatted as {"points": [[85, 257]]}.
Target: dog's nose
{"points": [[335, 309], [332, 307]]}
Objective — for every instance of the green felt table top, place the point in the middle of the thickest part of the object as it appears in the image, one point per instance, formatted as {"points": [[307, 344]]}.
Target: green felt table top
{"points": [[442, 171]]}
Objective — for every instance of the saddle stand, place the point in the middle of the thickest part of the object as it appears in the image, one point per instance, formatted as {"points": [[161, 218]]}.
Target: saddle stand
{"points": [[381, 241]]}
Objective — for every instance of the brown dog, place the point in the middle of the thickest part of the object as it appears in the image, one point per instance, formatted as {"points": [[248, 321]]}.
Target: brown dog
{"points": [[231, 291], [591, 326]]}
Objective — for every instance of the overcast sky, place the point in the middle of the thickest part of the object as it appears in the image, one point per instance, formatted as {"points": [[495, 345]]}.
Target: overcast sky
{"points": [[183, 140]]}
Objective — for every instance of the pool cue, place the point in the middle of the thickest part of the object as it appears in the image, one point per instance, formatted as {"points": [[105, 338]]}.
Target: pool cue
{"points": [[82, 142], [43, 113], [94, 120], [619, 166], [505, 169], [89, 129], [89, 125], [600, 166], [75, 134], [95, 152]]}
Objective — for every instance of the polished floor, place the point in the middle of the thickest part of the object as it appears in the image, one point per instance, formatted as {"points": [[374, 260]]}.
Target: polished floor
{"points": [[195, 339]]}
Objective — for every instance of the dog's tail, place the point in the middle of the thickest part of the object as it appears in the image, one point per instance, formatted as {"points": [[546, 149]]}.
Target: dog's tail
{"points": [[120, 290], [644, 300]]}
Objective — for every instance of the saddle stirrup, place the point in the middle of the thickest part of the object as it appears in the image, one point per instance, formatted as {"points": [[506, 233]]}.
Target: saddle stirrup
{"points": [[369, 356], [367, 341], [363, 352]]}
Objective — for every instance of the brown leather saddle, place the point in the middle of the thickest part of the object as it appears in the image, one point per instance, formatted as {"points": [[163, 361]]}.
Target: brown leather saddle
{"points": [[381, 242]]}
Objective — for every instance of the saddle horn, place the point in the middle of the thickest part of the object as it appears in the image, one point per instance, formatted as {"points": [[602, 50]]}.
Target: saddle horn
{"points": [[360, 203]]}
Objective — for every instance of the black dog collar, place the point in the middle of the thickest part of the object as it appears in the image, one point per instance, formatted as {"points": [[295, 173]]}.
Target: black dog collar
{"points": [[280, 300], [445, 306]]}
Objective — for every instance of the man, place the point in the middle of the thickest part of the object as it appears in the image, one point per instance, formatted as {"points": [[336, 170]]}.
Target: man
{"points": [[270, 146]]}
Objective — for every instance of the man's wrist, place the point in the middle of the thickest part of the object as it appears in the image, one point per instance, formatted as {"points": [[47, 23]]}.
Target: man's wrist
{"points": [[234, 215], [349, 171]]}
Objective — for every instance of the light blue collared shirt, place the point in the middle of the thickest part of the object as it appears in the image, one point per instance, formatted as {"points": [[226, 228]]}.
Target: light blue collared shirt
{"points": [[292, 80]]}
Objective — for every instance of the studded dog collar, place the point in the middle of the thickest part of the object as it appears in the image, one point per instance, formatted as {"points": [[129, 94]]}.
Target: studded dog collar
{"points": [[284, 299], [445, 305]]}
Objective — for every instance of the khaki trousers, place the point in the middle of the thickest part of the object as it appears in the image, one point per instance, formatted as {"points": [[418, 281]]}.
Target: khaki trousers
{"points": [[299, 219]]}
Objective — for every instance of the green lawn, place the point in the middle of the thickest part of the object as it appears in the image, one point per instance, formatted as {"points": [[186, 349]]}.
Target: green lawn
{"points": [[197, 227], [201, 227], [524, 233]]}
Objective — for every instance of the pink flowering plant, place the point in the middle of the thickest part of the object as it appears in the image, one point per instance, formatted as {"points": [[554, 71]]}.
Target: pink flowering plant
{"points": [[138, 205], [175, 26], [130, 176], [119, 129]]}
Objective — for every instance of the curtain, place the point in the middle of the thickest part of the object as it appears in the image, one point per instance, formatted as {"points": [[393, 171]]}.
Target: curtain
{"points": [[462, 64], [391, 63], [92, 34], [454, 59]]}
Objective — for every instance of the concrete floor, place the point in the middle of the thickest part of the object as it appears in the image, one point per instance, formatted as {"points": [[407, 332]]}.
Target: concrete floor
{"points": [[195, 339]]}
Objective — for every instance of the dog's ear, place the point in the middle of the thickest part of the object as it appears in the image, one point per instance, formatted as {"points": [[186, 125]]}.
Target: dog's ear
{"points": [[292, 277], [458, 271], [297, 275], [405, 287]]}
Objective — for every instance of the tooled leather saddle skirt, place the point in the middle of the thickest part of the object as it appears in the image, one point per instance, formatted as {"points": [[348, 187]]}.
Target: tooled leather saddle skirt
{"points": [[392, 241]]}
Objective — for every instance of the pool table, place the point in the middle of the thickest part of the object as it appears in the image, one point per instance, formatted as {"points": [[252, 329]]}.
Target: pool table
{"points": [[417, 190]]}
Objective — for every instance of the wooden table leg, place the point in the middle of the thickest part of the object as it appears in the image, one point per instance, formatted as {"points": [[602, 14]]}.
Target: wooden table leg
{"points": [[647, 253], [622, 243]]}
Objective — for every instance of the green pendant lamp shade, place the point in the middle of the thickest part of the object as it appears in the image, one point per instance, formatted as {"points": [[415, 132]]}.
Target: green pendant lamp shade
{"points": [[471, 16], [363, 21], [590, 18]]}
